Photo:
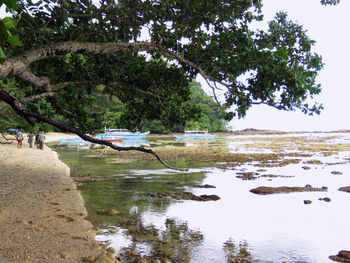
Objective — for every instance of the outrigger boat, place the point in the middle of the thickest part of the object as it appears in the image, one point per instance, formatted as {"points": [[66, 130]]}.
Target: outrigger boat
{"points": [[81, 141], [72, 141], [76, 142], [115, 133], [204, 135], [113, 139]]}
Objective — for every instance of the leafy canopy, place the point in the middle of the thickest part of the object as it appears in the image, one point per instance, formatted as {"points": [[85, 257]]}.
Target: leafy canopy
{"points": [[146, 53]]}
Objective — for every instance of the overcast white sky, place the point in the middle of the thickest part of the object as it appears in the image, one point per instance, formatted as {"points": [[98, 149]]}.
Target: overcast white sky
{"points": [[329, 26]]}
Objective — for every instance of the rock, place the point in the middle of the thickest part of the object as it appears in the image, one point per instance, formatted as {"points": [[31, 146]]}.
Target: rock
{"points": [[205, 186], [111, 250], [64, 255], [97, 229], [343, 256], [209, 197], [89, 259], [247, 176], [307, 202], [112, 212], [112, 231], [313, 162], [185, 196], [97, 246], [106, 258], [265, 190], [336, 172], [306, 167], [345, 189], [101, 212], [326, 199]]}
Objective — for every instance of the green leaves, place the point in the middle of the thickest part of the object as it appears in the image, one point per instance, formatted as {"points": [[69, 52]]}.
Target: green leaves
{"points": [[3, 32], [14, 40], [9, 22], [6, 24], [330, 2], [11, 4]]}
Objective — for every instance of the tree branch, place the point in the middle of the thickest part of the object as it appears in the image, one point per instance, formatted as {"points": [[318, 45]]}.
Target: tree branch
{"points": [[11, 140], [18, 65], [16, 105], [28, 115], [40, 82], [37, 97]]}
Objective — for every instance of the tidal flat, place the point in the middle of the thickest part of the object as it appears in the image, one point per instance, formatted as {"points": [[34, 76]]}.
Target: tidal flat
{"points": [[305, 225]]}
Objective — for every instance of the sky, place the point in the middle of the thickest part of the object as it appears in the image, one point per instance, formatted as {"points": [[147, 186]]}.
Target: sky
{"points": [[329, 27]]}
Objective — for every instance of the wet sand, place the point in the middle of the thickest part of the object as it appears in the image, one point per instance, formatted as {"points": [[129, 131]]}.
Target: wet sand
{"points": [[41, 211]]}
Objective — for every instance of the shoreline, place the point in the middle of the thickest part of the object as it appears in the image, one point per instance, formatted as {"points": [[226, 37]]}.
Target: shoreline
{"points": [[42, 213]]}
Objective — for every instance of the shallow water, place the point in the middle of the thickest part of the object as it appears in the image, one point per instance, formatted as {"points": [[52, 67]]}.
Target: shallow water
{"points": [[274, 228]]}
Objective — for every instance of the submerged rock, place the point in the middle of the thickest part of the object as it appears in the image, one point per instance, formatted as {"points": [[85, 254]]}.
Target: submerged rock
{"points": [[112, 212], [336, 172], [343, 256], [306, 167], [266, 190], [205, 186], [185, 196], [326, 199], [247, 176]]}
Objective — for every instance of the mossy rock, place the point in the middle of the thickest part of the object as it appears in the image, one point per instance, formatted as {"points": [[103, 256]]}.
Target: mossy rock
{"points": [[266, 190]]}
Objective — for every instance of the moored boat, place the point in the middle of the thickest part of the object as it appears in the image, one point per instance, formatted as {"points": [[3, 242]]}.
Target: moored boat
{"points": [[77, 140], [195, 135], [112, 138], [113, 133]]}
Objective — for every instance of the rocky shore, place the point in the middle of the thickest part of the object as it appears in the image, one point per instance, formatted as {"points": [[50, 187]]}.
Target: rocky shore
{"points": [[42, 214]]}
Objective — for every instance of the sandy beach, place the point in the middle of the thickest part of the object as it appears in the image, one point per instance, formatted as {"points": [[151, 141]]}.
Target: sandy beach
{"points": [[42, 214]]}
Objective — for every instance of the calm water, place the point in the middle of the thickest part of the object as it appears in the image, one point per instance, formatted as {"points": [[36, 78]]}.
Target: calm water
{"points": [[272, 228]]}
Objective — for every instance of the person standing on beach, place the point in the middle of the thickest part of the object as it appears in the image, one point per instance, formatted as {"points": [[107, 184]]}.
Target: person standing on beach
{"points": [[41, 140], [30, 139], [19, 138], [36, 142]]}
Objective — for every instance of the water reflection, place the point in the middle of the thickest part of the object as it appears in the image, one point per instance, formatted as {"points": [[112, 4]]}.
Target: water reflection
{"points": [[174, 243], [237, 254], [81, 144]]}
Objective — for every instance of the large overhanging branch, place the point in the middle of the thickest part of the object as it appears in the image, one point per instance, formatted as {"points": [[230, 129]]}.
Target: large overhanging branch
{"points": [[18, 65], [16, 105], [29, 116]]}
